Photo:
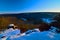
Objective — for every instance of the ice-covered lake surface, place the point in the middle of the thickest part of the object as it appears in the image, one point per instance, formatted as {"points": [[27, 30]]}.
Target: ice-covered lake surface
{"points": [[46, 35]]}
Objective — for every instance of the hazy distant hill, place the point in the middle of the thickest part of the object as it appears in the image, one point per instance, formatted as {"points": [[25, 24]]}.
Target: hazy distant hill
{"points": [[34, 15]]}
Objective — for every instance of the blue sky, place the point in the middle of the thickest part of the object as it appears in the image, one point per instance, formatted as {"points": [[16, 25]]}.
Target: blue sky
{"points": [[29, 6]]}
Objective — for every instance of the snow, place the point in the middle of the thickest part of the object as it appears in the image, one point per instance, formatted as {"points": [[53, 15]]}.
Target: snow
{"points": [[32, 35]]}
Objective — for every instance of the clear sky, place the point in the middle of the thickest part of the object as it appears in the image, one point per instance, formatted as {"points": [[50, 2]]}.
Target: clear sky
{"points": [[29, 6]]}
